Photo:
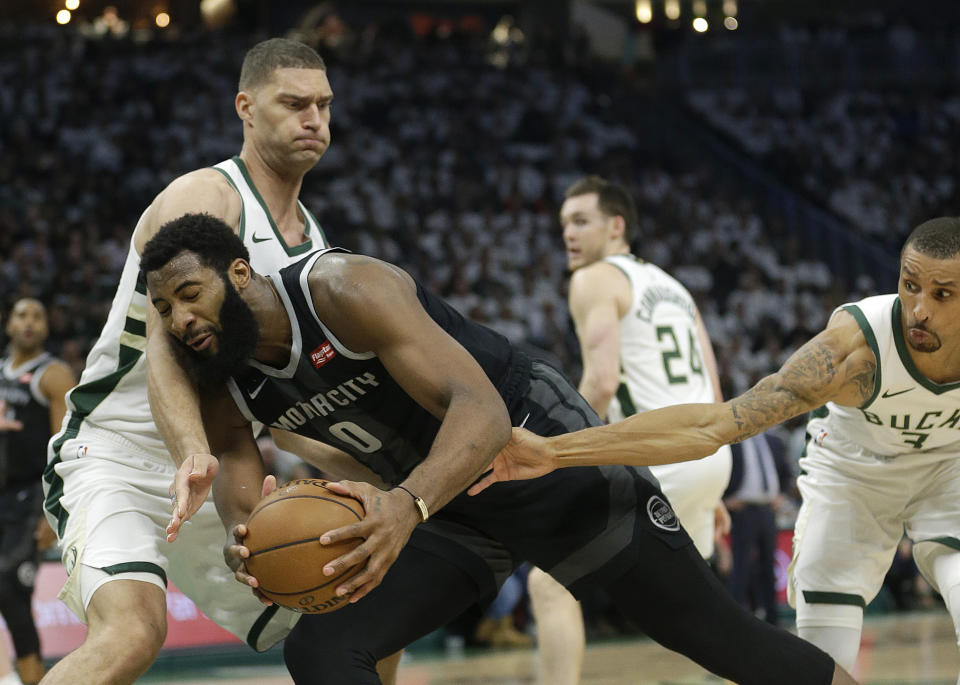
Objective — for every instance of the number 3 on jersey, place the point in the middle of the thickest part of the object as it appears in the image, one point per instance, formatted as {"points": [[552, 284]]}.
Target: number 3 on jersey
{"points": [[673, 357]]}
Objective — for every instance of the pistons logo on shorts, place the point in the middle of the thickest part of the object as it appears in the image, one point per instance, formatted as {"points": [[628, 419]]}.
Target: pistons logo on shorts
{"points": [[322, 354], [661, 514]]}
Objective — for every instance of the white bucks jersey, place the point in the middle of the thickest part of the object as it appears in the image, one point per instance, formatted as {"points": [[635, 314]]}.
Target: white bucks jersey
{"points": [[907, 416], [112, 393], [661, 362]]}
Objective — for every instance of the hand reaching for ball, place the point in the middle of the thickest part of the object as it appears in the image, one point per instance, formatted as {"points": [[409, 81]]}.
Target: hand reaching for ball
{"points": [[235, 554], [189, 489]]}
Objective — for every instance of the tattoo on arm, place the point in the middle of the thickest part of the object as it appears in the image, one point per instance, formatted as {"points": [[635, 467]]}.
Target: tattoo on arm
{"points": [[807, 380], [864, 378]]}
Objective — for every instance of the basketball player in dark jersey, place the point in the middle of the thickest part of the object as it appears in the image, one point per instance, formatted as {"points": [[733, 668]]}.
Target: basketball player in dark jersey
{"points": [[32, 387], [352, 351]]}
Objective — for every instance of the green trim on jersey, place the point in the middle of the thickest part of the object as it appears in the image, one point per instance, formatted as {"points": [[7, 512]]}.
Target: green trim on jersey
{"points": [[135, 327], [88, 396], [257, 628], [951, 542], [52, 501], [243, 215], [323, 235], [136, 567], [904, 352], [841, 598], [626, 273], [84, 398], [291, 251], [857, 314], [141, 285], [626, 402], [818, 413]]}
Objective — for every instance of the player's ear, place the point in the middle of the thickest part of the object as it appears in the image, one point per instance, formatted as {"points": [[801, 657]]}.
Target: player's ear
{"points": [[618, 227], [244, 106], [240, 273]]}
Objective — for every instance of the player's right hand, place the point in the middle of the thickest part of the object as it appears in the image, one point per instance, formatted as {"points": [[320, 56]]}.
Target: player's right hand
{"points": [[527, 455], [234, 553], [190, 488]]}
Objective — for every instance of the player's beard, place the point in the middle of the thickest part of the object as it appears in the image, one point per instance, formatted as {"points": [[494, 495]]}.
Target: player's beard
{"points": [[236, 341]]}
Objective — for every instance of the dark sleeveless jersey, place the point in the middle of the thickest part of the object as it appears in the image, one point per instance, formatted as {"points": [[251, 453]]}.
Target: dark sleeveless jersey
{"points": [[23, 453], [346, 398]]}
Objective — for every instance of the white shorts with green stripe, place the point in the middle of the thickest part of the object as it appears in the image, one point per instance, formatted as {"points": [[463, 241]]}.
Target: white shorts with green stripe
{"points": [[853, 517], [110, 503]]}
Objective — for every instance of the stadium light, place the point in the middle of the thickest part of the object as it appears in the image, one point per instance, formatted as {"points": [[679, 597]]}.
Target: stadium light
{"points": [[63, 17], [163, 20], [700, 8], [730, 8], [72, 4], [700, 25], [644, 9], [731, 23], [671, 8]]}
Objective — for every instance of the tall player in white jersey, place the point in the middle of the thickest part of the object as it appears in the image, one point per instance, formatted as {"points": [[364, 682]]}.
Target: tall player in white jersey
{"points": [[643, 346], [109, 472], [882, 383]]}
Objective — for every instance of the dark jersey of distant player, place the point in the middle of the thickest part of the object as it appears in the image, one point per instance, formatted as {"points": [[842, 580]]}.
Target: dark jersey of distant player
{"points": [[346, 398], [23, 453]]}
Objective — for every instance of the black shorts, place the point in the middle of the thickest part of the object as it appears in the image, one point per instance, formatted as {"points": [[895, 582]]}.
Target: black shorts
{"points": [[588, 527], [581, 524], [20, 511]]}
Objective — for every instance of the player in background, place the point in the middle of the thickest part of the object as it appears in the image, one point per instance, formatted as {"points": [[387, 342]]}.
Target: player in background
{"points": [[643, 346], [882, 383], [108, 479], [32, 388]]}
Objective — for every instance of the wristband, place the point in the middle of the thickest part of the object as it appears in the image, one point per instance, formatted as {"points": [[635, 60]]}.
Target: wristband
{"points": [[421, 505]]}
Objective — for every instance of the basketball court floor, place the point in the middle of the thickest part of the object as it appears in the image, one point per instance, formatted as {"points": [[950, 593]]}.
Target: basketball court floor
{"points": [[897, 649]]}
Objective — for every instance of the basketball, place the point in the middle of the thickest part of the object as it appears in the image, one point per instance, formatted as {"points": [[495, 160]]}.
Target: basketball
{"points": [[286, 557]]}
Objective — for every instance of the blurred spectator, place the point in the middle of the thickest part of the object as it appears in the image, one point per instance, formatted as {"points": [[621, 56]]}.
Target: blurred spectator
{"points": [[760, 478]]}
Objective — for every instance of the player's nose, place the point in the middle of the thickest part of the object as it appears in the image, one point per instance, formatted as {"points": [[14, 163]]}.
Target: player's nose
{"points": [[181, 320]]}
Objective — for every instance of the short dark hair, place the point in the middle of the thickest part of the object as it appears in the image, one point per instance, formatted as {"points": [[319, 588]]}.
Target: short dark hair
{"points": [[938, 238], [276, 53], [612, 199], [212, 240]]}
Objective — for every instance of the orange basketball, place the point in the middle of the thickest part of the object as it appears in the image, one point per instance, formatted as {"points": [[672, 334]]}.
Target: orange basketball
{"points": [[286, 557]]}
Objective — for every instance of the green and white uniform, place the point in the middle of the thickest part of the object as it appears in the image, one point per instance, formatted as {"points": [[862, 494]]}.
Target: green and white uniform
{"points": [[870, 473], [661, 364], [108, 472]]}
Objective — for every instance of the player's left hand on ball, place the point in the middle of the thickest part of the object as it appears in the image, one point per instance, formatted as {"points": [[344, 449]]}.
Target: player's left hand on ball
{"points": [[189, 490], [235, 553], [390, 517]]}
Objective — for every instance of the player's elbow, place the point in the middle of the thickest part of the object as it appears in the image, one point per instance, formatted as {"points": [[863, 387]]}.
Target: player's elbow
{"points": [[496, 419], [500, 426]]}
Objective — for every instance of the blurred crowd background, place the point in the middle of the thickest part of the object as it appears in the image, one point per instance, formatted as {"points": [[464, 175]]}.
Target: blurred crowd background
{"points": [[778, 157]]}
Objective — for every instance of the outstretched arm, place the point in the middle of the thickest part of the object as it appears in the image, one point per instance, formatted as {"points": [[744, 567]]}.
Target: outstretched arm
{"points": [[174, 401], [835, 366]]}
